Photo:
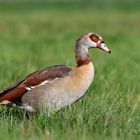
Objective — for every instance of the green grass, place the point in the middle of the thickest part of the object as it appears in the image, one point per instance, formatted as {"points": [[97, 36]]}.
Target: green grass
{"points": [[34, 36]]}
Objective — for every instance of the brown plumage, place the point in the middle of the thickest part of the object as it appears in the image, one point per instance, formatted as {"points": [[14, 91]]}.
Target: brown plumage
{"points": [[33, 79], [57, 86]]}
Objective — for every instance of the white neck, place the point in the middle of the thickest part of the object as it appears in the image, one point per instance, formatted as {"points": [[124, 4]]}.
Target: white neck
{"points": [[82, 52]]}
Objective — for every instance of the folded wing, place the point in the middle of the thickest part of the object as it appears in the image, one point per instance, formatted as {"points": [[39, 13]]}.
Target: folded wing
{"points": [[16, 91]]}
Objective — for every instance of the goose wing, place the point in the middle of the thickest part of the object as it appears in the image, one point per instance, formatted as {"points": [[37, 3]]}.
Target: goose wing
{"points": [[16, 91]]}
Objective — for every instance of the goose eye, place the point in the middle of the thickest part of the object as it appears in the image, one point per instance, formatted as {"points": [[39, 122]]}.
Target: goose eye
{"points": [[102, 41]]}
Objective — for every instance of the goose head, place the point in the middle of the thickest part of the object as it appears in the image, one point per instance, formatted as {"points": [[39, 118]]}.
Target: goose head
{"points": [[93, 40]]}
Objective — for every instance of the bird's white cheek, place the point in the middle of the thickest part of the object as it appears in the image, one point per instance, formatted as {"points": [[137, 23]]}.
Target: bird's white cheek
{"points": [[94, 44], [91, 44]]}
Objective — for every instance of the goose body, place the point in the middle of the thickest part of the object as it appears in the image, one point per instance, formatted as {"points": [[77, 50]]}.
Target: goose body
{"points": [[61, 92], [57, 86]]}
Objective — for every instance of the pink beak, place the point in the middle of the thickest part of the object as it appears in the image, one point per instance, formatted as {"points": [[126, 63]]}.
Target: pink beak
{"points": [[101, 45]]}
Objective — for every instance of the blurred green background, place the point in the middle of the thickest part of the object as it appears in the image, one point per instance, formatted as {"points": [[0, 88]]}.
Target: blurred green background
{"points": [[37, 34]]}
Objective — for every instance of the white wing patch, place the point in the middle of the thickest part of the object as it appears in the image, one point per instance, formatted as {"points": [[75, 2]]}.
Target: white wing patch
{"points": [[28, 88], [43, 83]]}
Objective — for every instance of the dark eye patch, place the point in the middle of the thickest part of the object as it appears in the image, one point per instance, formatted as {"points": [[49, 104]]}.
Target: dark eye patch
{"points": [[94, 37]]}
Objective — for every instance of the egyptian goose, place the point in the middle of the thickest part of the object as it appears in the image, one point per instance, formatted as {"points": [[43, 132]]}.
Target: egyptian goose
{"points": [[56, 86]]}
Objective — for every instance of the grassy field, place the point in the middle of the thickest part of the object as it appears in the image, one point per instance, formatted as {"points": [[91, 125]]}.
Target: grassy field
{"points": [[34, 36]]}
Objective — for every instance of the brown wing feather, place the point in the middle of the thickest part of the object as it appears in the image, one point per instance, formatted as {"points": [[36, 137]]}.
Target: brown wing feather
{"points": [[16, 91]]}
